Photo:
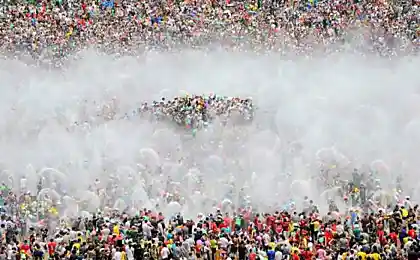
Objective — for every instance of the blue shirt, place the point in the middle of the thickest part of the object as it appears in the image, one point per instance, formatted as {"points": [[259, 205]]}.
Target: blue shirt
{"points": [[271, 254]]}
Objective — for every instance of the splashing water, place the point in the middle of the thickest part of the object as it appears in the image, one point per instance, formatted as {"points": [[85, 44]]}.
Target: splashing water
{"points": [[341, 109]]}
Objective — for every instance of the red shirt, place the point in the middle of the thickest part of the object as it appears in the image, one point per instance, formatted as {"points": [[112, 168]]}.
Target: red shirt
{"points": [[25, 248], [252, 256], [412, 233], [256, 220], [259, 225], [227, 221], [213, 226], [270, 220], [111, 240], [328, 237], [334, 228], [51, 247], [393, 236], [307, 255], [381, 237]]}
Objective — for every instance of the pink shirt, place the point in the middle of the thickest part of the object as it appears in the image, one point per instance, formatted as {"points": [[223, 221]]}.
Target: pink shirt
{"points": [[321, 254]]}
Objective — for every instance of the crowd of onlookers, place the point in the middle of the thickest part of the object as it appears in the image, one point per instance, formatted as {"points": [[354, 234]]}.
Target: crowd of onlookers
{"points": [[48, 29], [354, 233]]}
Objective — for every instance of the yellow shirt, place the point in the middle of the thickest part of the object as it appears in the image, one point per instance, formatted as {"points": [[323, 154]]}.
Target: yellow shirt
{"points": [[404, 213], [123, 256], [304, 243], [362, 255], [76, 245], [116, 230], [213, 243], [375, 256], [316, 225]]}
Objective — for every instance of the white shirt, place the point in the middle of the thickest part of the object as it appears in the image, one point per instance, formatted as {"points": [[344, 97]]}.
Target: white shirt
{"points": [[117, 256], [224, 242], [147, 230], [164, 253], [129, 252], [73, 234], [105, 232]]}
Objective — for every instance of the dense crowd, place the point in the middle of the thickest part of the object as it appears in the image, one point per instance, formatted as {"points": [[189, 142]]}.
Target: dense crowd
{"points": [[50, 30], [53, 29], [197, 111], [359, 231], [191, 112]]}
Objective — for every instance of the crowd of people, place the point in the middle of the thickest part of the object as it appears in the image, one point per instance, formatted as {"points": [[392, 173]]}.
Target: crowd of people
{"points": [[191, 112], [195, 111], [358, 231], [53, 29]]}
